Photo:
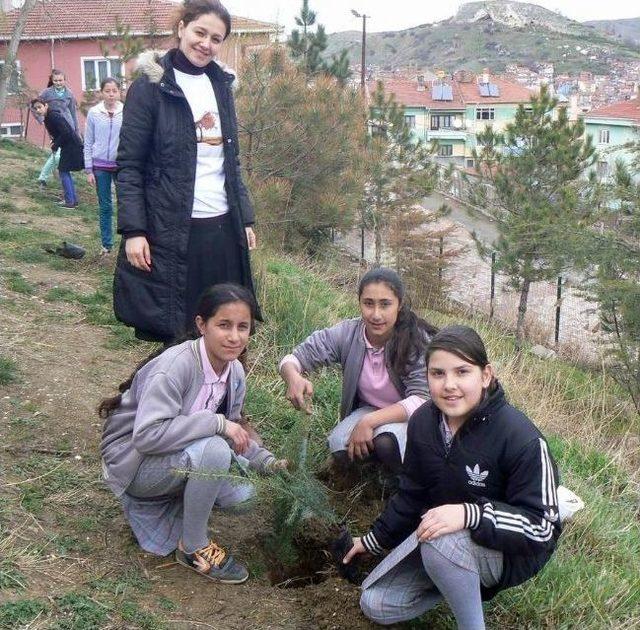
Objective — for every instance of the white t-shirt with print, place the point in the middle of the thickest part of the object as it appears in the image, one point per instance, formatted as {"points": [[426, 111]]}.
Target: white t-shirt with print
{"points": [[210, 198]]}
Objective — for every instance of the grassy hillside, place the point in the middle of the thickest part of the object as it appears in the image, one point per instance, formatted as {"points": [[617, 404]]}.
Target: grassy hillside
{"points": [[67, 559]]}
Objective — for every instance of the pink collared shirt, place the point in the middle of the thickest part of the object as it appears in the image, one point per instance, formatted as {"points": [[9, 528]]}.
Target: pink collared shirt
{"points": [[375, 388], [214, 387]]}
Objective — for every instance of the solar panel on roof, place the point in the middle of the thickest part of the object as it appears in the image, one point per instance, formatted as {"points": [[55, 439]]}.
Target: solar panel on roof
{"points": [[484, 89], [437, 92], [494, 90], [447, 93]]}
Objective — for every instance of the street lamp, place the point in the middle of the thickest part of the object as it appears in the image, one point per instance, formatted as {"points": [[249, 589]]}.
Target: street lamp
{"points": [[362, 87], [364, 45]]}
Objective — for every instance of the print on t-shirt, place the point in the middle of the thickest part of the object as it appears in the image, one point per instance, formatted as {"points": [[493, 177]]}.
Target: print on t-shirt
{"points": [[207, 129]]}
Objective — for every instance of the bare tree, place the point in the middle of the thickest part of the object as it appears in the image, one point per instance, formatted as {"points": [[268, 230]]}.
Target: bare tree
{"points": [[9, 65]]}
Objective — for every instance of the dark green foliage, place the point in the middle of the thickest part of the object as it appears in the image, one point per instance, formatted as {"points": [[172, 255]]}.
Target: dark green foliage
{"points": [[302, 151], [20, 613], [616, 253], [399, 172], [534, 168], [307, 46], [8, 370]]}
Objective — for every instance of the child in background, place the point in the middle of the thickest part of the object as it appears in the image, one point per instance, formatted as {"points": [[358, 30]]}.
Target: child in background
{"points": [[102, 132], [59, 98], [477, 498], [171, 434], [68, 142]]}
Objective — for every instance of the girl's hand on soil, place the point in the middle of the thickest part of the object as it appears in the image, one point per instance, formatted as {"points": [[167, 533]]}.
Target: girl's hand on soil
{"points": [[252, 242], [238, 436], [444, 519], [280, 464], [357, 549], [91, 178], [300, 392], [138, 253], [360, 443]]}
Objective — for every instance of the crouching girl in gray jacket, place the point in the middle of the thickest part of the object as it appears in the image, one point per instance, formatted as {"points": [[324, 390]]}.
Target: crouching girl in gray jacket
{"points": [[171, 434], [383, 371]]}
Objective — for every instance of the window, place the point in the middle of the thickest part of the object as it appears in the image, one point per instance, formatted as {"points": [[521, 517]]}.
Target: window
{"points": [[441, 121], [485, 113], [11, 130], [470, 163], [604, 136], [411, 121], [15, 80], [96, 69], [445, 150]]}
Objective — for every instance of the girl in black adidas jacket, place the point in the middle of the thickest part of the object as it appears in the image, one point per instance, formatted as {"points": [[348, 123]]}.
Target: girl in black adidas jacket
{"points": [[477, 508]]}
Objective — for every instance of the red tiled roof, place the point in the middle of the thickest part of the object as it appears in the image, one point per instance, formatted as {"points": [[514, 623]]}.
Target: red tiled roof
{"points": [[624, 110], [74, 18], [406, 93], [509, 92]]}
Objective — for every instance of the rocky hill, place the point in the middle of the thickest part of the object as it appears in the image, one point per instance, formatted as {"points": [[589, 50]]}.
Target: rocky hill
{"points": [[492, 34]]}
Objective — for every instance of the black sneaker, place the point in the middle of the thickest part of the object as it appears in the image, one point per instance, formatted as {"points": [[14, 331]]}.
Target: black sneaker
{"points": [[213, 562]]}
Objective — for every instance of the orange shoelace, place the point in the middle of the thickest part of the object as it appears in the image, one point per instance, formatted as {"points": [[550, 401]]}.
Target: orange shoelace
{"points": [[213, 554]]}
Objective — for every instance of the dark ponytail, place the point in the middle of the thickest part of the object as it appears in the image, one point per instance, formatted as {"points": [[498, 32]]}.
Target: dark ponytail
{"points": [[411, 333], [210, 301]]}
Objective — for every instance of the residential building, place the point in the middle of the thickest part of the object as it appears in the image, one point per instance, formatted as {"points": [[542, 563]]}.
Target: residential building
{"points": [[81, 37], [612, 128], [453, 110]]}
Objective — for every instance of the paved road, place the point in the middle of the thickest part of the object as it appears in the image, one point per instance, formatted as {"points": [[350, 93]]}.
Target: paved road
{"points": [[473, 220]]}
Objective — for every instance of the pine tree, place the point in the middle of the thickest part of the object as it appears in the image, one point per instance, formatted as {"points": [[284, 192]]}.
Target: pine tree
{"points": [[535, 166], [399, 171], [307, 46], [616, 252], [302, 148]]}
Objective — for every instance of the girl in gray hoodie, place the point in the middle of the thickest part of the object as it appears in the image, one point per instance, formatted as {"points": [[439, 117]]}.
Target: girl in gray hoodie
{"points": [[171, 434]]}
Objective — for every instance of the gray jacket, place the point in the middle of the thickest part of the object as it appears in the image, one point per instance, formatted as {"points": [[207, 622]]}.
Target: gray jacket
{"points": [[344, 344], [65, 104], [153, 417]]}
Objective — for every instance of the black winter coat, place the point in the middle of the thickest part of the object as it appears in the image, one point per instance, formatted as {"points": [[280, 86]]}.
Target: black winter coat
{"points": [[499, 467], [63, 137], [155, 184]]}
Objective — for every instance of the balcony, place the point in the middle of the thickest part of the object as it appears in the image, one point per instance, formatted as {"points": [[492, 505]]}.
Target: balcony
{"points": [[447, 133]]}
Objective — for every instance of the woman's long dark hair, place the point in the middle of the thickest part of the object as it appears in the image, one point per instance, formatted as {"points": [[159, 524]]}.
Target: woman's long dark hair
{"points": [[411, 333], [208, 305]]}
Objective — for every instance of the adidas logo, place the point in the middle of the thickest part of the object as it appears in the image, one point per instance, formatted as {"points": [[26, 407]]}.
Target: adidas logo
{"points": [[476, 478], [551, 515]]}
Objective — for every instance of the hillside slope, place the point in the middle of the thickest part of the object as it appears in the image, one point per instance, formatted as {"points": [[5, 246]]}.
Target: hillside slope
{"points": [[491, 34], [67, 557]]}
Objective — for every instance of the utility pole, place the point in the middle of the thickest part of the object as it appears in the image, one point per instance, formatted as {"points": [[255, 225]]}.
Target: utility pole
{"points": [[363, 63]]}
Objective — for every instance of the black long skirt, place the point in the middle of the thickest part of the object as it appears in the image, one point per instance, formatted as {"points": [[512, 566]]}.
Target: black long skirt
{"points": [[213, 257]]}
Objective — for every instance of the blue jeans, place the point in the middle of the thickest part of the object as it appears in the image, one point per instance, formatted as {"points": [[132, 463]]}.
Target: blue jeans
{"points": [[68, 188], [103, 188]]}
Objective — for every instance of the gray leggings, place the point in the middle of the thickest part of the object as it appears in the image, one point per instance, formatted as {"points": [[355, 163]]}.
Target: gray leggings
{"points": [[451, 567], [211, 458]]}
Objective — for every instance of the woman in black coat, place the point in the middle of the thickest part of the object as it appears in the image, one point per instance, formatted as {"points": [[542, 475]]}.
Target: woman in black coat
{"points": [[183, 209], [63, 137]]}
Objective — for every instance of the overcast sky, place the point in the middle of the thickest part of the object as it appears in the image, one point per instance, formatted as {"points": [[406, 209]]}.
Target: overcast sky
{"points": [[336, 14]]}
